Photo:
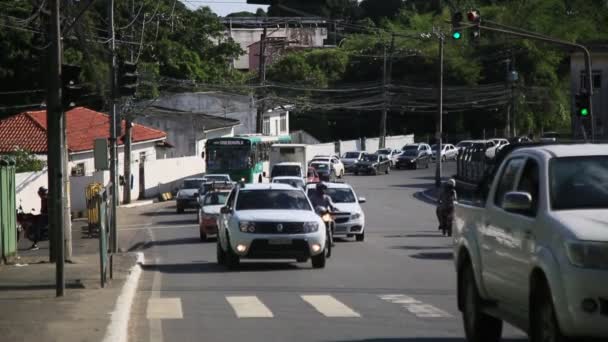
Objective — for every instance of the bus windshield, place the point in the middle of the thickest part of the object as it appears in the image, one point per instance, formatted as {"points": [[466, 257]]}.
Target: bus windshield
{"points": [[229, 158]]}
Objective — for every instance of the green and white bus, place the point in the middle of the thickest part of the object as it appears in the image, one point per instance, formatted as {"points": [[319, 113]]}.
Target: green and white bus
{"points": [[243, 157]]}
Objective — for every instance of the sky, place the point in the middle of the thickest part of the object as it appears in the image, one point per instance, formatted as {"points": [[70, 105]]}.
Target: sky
{"points": [[224, 7]]}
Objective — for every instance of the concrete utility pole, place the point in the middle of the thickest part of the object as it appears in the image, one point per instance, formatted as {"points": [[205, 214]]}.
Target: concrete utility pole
{"points": [[509, 107], [262, 77], [114, 122], [56, 129], [126, 196], [439, 112], [386, 81]]}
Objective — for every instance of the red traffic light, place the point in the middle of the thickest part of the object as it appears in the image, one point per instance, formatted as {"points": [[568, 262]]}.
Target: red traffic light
{"points": [[473, 16]]}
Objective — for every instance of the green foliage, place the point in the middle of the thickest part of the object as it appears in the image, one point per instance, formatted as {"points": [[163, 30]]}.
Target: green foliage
{"points": [[26, 161], [317, 68]]}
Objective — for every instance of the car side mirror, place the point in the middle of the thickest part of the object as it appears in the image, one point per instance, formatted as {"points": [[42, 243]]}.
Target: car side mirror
{"points": [[362, 200], [517, 201], [225, 210]]}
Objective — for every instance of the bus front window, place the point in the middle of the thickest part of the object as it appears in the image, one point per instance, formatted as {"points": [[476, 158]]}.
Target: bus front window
{"points": [[229, 159]]}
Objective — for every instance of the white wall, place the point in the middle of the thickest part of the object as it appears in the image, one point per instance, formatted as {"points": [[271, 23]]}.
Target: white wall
{"points": [[371, 144], [274, 117], [164, 175], [27, 184]]}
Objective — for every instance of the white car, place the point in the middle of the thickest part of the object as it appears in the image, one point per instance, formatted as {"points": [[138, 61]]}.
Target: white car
{"points": [[389, 153], [350, 221], [500, 142], [534, 251], [270, 221], [296, 182], [336, 165], [448, 151]]}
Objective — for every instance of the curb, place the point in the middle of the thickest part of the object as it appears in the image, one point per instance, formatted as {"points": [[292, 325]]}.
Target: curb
{"points": [[118, 329], [137, 204], [427, 196]]}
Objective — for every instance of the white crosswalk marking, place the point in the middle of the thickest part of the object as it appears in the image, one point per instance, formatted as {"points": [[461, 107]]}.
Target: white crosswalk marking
{"points": [[415, 306], [249, 307], [329, 306], [164, 308]]}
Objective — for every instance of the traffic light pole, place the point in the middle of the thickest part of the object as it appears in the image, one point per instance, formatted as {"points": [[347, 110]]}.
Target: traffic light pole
{"points": [[586, 54], [439, 113]]}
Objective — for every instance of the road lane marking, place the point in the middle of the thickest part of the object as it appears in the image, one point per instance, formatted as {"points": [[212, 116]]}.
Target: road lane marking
{"points": [[164, 308], [249, 307], [416, 307], [329, 306]]}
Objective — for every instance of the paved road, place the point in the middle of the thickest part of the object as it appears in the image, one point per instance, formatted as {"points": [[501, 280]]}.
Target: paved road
{"points": [[398, 285]]}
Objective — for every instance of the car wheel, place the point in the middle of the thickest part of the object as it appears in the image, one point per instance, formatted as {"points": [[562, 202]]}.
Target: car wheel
{"points": [[388, 170], [375, 172], [180, 210], [360, 237], [221, 255], [478, 326], [544, 326], [318, 261], [332, 176], [443, 159], [232, 259], [356, 173], [415, 166], [204, 237], [398, 167]]}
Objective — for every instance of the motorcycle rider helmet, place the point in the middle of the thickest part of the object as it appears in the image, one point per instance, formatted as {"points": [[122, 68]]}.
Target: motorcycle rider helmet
{"points": [[42, 190], [321, 186], [451, 183]]}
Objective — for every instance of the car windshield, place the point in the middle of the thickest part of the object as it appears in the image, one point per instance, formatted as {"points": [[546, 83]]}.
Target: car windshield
{"points": [[272, 199], [216, 198], [341, 195], [320, 166], [384, 152], [584, 177], [370, 157], [410, 151], [285, 170], [192, 184], [296, 183], [216, 179], [351, 155]]}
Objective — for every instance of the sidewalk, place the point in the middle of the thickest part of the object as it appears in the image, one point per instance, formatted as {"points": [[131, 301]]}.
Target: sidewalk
{"points": [[31, 312]]}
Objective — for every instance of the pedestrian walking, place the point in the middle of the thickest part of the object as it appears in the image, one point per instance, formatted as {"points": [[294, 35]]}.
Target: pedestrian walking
{"points": [[445, 206]]}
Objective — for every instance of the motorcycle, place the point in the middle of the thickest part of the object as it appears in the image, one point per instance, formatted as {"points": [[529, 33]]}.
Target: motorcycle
{"points": [[328, 218], [29, 223]]}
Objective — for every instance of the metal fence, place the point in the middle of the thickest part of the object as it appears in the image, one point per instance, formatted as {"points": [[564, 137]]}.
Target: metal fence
{"points": [[101, 205], [8, 210]]}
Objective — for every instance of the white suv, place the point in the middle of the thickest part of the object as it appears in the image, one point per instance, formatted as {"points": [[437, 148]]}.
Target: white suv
{"points": [[350, 220], [270, 221]]}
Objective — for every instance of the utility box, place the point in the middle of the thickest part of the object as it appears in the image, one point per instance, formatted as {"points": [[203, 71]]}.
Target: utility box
{"points": [[8, 210], [100, 153]]}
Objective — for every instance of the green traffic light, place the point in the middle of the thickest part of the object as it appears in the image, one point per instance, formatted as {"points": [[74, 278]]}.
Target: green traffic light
{"points": [[584, 111], [456, 35]]}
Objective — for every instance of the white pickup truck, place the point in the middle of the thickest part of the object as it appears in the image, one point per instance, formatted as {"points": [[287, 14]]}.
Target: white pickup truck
{"points": [[535, 252]]}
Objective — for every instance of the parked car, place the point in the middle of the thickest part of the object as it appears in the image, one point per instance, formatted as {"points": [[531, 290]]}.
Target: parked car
{"points": [[312, 176], [414, 156], [209, 212], [373, 164], [448, 151], [534, 253], [520, 140], [187, 195], [464, 144], [296, 182], [349, 159], [500, 142], [336, 165], [270, 221], [350, 220], [389, 153]]}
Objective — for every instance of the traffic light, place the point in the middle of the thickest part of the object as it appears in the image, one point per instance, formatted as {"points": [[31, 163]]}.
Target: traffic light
{"points": [[127, 78], [475, 18], [581, 103], [71, 89], [457, 26]]}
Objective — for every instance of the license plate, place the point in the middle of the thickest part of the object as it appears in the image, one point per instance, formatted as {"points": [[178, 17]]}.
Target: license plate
{"points": [[279, 242]]}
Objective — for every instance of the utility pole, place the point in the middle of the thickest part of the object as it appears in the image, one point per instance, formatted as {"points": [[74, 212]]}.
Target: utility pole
{"points": [[56, 128], [386, 81], [508, 86], [439, 112], [127, 141], [262, 77], [113, 131]]}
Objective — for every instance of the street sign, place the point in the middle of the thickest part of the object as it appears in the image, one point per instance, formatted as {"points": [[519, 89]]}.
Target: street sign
{"points": [[100, 154]]}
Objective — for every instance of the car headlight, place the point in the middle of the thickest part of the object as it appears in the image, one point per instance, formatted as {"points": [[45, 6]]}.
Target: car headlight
{"points": [[311, 227], [247, 227], [588, 254], [355, 216]]}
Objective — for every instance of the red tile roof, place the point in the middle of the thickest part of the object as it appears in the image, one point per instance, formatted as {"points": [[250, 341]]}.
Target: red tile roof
{"points": [[28, 131]]}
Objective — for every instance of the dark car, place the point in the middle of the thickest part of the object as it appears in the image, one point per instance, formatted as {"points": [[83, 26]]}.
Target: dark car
{"points": [[413, 157], [373, 164], [323, 169]]}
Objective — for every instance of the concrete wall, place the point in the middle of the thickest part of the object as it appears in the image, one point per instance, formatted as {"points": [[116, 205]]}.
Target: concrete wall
{"points": [[371, 144], [27, 184], [164, 175], [600, 96], [231, 106], [148, 148]]}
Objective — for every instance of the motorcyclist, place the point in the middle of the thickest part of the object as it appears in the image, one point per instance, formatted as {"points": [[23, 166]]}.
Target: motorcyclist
{"points": [[43, 218], [445, 206], [320, 199]]}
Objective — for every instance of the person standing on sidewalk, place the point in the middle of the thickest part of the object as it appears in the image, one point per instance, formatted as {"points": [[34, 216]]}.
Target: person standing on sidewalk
{"points": [[43, 218], [445, 206]]}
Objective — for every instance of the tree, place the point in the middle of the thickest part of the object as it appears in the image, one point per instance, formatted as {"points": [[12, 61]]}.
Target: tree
{"points": [[27, 161]]}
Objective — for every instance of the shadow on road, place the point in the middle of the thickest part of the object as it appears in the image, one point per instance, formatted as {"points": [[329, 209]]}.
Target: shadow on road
{"points": [[415, 235], [180, 222], [169, 242], [33, 287], [425, 339], [419, 196], [421, 248], [212, 267], [414, 185], [434, 256], [160, 213]]}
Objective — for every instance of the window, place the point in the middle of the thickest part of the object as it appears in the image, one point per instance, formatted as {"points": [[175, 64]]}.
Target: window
{"points": [[529, 183], [266, 126], [507, 181], [142, 157], [78, 170], [284, 123], [230, 200], [272, 199], [570, 177]]}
